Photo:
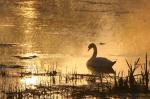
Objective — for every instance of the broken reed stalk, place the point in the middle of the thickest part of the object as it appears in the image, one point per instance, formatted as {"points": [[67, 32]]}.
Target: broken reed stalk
{"points": [[131, 73], [146, 73]]}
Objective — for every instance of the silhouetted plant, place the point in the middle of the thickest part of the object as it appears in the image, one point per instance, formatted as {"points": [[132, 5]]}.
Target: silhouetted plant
{"points": [[131, 71], [115, 79], [145, 72], [120, 82], [3, 73], [125, 83]]}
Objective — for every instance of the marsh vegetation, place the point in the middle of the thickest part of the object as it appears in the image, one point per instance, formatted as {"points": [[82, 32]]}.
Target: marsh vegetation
{"points": [[54, 84]]}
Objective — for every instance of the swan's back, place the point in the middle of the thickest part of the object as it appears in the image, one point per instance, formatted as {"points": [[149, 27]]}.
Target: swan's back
{"points": [[100, 65]]}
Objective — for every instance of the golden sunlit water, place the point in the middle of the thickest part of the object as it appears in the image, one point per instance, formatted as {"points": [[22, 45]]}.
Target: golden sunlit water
{"points": [[53, 35], [30, 81]]}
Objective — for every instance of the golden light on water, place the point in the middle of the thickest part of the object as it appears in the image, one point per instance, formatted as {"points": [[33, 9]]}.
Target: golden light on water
{"points": [[30, 82], [27, 10], [29, 54]]}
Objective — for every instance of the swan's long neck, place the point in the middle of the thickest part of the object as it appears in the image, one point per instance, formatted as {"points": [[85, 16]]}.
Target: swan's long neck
{"points": [[94, 52]]}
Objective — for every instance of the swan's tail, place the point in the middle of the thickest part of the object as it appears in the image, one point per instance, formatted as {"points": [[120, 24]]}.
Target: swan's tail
{"points": [[113, 63], [112, 70]]}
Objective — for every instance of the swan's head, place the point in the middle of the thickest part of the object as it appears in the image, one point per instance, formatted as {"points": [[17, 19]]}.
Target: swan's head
{"points": [[92, 45]]}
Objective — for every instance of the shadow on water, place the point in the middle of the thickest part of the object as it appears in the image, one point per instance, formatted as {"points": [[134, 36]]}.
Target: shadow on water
{"points": [[7, 45]]}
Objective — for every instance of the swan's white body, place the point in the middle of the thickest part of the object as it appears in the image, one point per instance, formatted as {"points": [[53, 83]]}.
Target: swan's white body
{"points": [[99, 64]]}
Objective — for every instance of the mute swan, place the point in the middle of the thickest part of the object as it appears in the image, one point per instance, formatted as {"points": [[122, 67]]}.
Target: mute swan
{"points": [[99, 64]]}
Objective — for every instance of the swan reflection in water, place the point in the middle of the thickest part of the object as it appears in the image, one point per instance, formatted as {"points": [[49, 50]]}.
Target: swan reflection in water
{"points": [[99, 64]]}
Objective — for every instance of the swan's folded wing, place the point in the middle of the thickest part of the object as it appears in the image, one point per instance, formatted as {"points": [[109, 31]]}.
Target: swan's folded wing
{"points": [[101, 62], [100, 65]]}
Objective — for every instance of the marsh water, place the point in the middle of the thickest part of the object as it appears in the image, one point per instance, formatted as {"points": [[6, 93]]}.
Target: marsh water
{"points": [[58, 32]]}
